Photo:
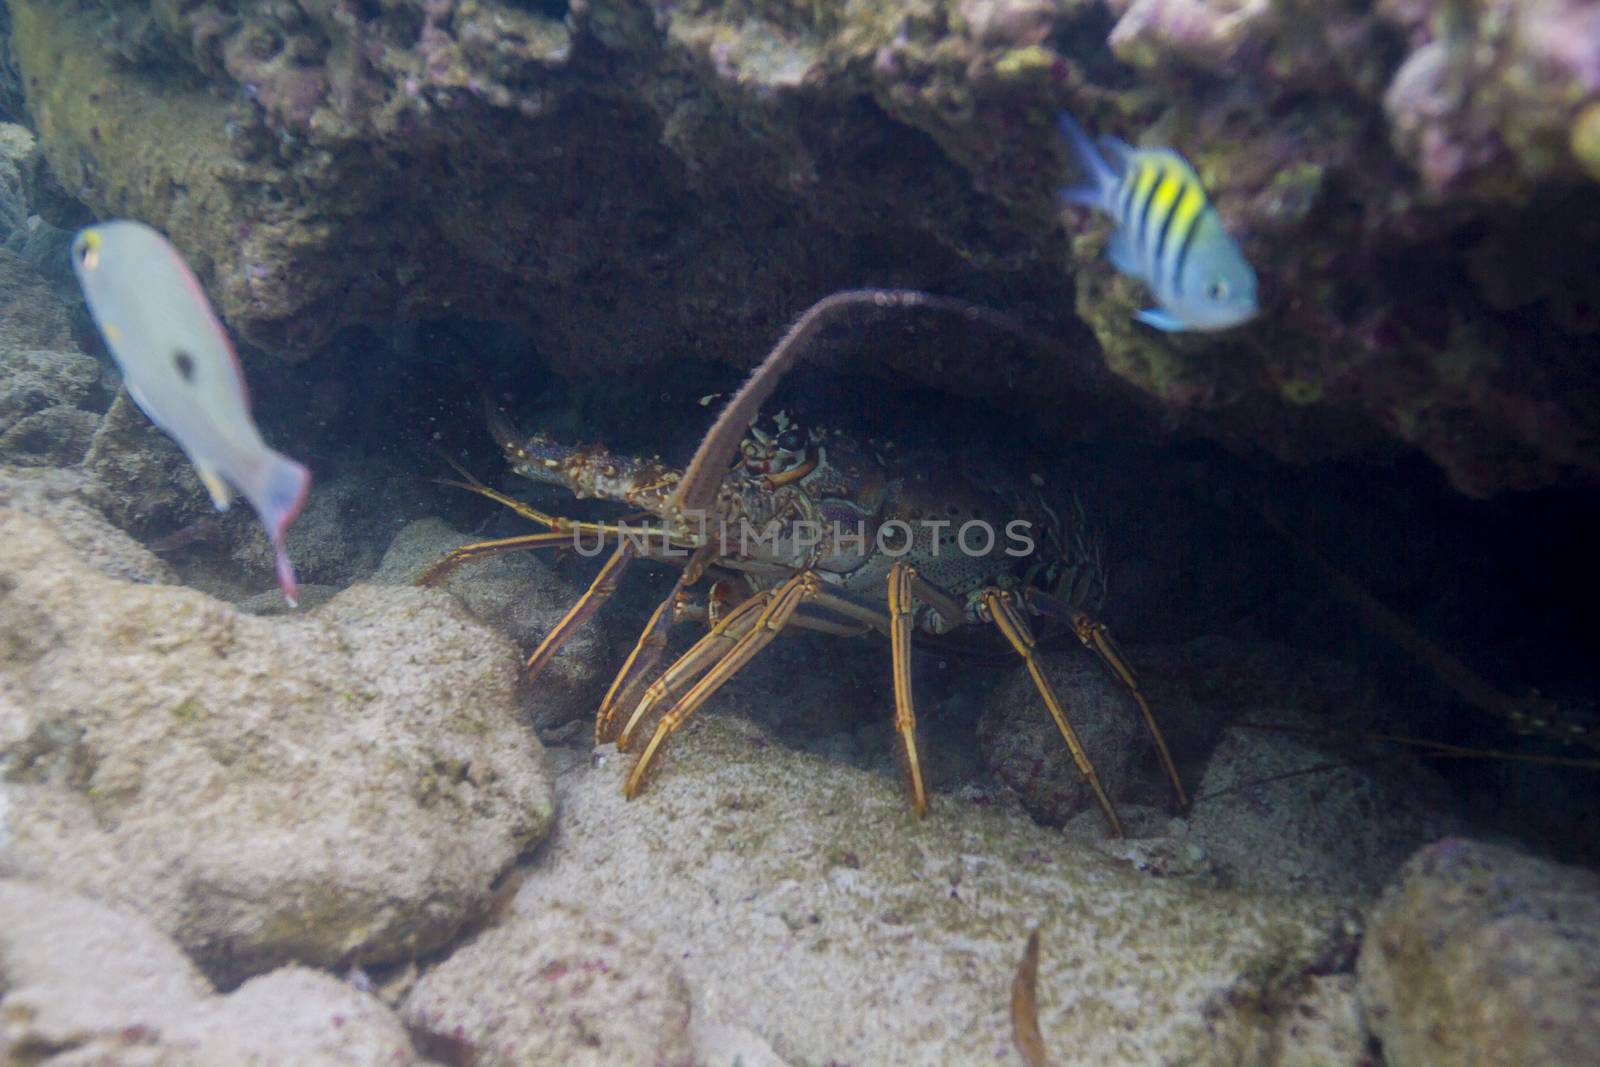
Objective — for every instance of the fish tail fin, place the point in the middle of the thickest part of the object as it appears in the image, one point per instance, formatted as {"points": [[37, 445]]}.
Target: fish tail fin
{"points": [[285, 573], [278, 491], [1099, 180]]}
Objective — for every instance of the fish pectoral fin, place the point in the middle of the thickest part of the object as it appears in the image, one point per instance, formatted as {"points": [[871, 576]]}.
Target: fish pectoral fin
{"points": [[1161, 320], [1120, 252], [221, 493]]}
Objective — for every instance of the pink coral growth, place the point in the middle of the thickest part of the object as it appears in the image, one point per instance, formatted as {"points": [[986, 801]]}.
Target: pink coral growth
{"points": [[1208, 35], [1009, 23], [1564, 38], [1476, 100]]}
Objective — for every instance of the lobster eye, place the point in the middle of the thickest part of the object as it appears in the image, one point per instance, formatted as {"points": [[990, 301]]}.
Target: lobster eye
{"points": [[791, 440]]}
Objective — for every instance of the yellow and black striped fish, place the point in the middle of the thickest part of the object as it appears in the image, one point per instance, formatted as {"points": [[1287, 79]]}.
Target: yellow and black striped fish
{"points": [[1168, 234]]}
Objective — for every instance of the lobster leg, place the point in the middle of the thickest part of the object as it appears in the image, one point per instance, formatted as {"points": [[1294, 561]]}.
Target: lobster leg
{"points": [[1097, 639], [717, 643], [903, 583], [624, 691], [905, 715], [442, 569], [779, 608], [867, 618], [628, 685], [948, 607], [828, 626], [1002, 611], [599, 591]]}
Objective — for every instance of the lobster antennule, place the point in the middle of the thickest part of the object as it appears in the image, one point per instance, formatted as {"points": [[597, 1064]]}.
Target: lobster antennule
{"points": [[505, 434]]}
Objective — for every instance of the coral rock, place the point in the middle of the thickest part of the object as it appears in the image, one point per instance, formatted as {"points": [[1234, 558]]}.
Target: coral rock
{"points": [[1026, 751], [556, 988], [523, 598], [86, 984], [341, 786], [65, 499], [146, 483], [1279, 813], [1479, 954], [17, 151], [32, 317]]}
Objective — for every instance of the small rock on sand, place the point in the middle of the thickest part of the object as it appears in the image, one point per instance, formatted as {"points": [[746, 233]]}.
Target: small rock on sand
{"points": [[556, 987]]}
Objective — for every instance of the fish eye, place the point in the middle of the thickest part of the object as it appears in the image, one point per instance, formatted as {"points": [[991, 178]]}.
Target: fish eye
{"points": [[89, 251], [1217, 290], [791, 440]]}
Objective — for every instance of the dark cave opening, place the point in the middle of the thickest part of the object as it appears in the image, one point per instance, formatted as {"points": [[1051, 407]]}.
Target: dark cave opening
{"points": [[555, 10], [1191, 529]]}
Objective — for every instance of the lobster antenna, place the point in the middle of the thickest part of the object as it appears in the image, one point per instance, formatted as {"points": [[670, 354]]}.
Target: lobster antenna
{"points": [[1524, 716], [698, 490]]}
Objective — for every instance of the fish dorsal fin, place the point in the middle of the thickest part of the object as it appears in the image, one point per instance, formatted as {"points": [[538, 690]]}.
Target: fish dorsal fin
{"points": [[221, 493], [1116, 151], [1173, 160]]}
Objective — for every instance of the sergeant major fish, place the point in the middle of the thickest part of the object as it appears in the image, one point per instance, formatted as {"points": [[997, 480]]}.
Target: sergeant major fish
{"points": [[1168, 234], [181, 369]]}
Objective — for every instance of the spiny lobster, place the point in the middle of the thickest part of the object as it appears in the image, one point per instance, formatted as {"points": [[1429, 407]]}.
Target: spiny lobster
{"points": [[814, 529]]}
